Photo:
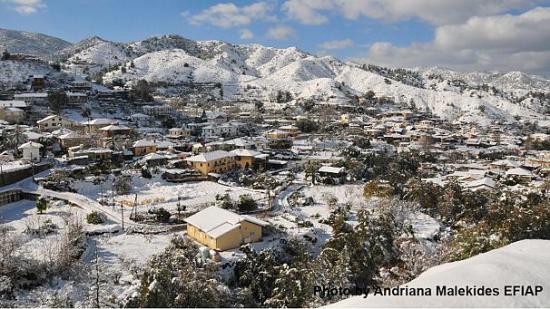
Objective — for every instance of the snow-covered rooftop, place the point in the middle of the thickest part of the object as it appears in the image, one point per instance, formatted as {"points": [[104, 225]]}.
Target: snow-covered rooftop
{"points": [[216, 221], [210, 156]]}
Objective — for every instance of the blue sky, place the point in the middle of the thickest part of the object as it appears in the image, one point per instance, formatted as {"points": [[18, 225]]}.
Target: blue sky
{"points": [[390, 32]]}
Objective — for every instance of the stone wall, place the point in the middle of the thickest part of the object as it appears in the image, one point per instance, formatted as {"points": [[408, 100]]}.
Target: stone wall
{"points": [[7, 178]]}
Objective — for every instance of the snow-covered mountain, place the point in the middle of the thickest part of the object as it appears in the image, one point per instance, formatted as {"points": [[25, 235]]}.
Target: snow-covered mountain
{"points": [[525, 264], [30, 43], [96, 50], [249, 72]]}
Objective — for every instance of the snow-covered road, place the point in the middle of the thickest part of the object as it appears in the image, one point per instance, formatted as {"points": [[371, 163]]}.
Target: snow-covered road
{"points": [[113, 214]]}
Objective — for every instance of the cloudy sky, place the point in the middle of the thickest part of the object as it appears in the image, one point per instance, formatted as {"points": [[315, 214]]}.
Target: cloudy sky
{"points": [[461, 34]]}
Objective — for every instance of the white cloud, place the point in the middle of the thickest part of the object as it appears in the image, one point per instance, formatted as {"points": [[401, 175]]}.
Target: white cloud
{"points": [[280, 32], [26, 7], [506, 42], [337, 44], [438, 12], [307, 12], [246, 34], [528, 31], [226, 15]]}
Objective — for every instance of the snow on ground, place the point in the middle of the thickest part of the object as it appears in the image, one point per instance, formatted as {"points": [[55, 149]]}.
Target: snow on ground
{"points": [[137, 248], [524, 263], [160, 193], [424, 226], [119, 254], [22, 216], [293, 219], [344, 193]]}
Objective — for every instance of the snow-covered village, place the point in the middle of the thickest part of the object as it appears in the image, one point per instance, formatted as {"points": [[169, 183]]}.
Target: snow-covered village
{"points": [[167, 171]]}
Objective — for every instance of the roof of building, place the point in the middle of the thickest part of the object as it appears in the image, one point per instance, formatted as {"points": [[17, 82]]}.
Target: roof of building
{"points": [[216, 221], [144, 143], [61, 131], [47, 118], [210, 156], [505, 163], [13, 103], [245, 152], [140, 115], [484, 182], [214, 114], [31, 95], [71, 135], [518, 172], [76, 94], [331, 169], [14, 109], [113, 127], [32, 136], [30, 145], [288, 127], [153, 157], [165, 144], [239, 142], [100, 121]]}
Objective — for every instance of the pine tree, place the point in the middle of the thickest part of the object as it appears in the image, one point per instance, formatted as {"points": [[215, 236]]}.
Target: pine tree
{"points": [[41, 205]]}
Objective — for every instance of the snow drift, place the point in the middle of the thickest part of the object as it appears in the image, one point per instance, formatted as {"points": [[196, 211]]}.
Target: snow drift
{"points": [[524, 263]]}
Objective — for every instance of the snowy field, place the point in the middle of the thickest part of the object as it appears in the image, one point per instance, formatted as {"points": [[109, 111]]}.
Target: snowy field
{"points": [[157, 192], [120, 256], [40, 233], [295, 220]]}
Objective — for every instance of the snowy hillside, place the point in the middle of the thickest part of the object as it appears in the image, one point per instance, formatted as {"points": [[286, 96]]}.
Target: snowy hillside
{"points": [[524, 263], [153, 44], [508, 82], [326, 79], [30, 43], [95, 50], [13, 72], [256, 72], [172, 66]]}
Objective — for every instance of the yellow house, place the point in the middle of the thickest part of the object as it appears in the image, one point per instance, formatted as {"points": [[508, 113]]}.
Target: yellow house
{"points": [[247, 158], [290, 129], [220, 229], [72, 139], [277, 134], [218, 161], [179, 132], [53, 122], [144, 147]]}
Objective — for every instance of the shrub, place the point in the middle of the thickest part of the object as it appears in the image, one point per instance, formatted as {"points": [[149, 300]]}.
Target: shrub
{"points": [[95, 218], [246, 203], [224, 201], [161, 214], [378, 189], [41, 205], [145, 173]]}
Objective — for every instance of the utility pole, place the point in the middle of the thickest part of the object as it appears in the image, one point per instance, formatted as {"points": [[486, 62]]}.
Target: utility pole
{"points": [[97, 279], [122, 212], [1, 172], [134, 208]]}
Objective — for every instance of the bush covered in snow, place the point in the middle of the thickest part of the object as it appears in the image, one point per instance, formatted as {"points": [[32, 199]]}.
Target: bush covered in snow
{"points": [[178, 277], [95, 218]]}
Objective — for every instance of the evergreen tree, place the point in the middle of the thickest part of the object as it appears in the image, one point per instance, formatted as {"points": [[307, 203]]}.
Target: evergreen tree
{"points": [[41, 205]]}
